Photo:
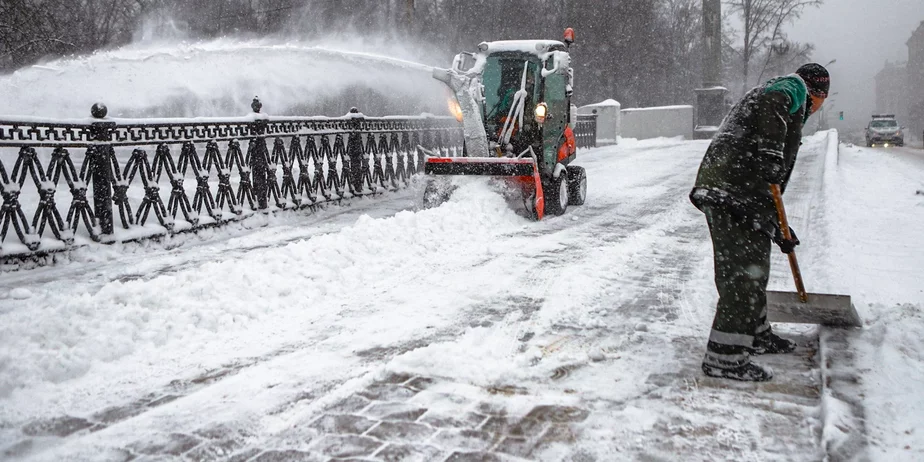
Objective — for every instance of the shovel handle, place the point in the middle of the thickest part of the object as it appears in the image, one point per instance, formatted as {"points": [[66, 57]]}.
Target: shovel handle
{"points": [[784, 228]]}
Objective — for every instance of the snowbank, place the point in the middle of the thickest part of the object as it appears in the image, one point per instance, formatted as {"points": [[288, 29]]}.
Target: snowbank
{"points": [[876, 255], [58, 334]]}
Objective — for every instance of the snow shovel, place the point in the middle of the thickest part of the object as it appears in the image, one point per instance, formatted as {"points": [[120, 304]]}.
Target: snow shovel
{"points": [[801, 307]]}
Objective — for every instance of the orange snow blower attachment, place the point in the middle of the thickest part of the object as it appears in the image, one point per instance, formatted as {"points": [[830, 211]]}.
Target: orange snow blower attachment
{"points": [[514, 98], [522, 171]]}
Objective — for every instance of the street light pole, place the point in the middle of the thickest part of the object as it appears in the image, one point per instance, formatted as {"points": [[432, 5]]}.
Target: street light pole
{"points": [[824, 109], [710, 99], [823, 112]]}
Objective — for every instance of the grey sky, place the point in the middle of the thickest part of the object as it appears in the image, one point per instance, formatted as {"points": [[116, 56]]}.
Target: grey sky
{"points": [[861, 35]]}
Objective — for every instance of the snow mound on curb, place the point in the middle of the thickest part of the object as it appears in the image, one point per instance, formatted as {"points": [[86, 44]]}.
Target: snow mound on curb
{"points": [[891, 359], [58, 335]]}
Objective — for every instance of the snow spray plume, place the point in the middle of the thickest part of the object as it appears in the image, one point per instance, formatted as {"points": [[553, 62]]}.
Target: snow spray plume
{"points": [[161, 76]]}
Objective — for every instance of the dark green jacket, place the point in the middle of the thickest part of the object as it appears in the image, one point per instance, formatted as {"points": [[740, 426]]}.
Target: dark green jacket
{"points": [[756, 145]]}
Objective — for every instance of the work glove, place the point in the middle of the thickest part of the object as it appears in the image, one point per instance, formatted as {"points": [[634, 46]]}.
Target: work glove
{"points": [[786, 245]]}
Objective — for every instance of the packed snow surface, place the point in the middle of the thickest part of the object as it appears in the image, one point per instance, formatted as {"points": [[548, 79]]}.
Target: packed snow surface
{"points": [[259, 329], [875, 213]]}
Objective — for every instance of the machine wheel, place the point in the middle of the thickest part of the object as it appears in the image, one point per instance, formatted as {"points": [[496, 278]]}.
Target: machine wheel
{"points": [[436, 192], [556, 194], [577, 185]]}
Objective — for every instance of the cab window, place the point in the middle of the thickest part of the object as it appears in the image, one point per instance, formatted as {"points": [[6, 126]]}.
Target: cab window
{"points": [[502, 78]]}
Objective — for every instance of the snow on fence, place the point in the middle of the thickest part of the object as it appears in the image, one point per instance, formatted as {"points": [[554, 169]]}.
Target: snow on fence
{"points": [[607, 113], [143, 178], [149, 177], [654, 122]]}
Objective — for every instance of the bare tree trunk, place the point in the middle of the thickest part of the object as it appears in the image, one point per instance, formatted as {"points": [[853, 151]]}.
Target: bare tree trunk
{"points": [[221, 12], [410, 15], [763, 27]]}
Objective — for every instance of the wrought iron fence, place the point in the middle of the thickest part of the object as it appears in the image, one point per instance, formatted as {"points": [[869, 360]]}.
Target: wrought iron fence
{"points": [[144, 178], [585, 131]]}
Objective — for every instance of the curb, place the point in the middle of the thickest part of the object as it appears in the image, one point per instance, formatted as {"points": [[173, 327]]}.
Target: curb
{"points": [[843, 416]]}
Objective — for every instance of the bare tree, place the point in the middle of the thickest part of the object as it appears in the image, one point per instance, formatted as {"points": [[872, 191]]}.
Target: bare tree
{"points": [[641, 52], [763, 22], [410, 13], [782, 57], [32, 29], [680, 49]]}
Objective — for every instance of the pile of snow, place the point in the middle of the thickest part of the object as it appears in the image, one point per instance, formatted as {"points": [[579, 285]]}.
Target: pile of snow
{"points": [[51, 333], [877, 257]]}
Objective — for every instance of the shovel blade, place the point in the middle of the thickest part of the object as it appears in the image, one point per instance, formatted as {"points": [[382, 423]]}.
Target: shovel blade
{"points": [[824, 309]]}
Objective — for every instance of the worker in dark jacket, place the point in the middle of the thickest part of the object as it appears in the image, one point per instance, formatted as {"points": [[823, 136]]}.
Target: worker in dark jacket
{"points": [[756, 146]]}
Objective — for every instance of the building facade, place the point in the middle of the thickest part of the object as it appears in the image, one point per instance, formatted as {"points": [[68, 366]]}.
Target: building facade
{"points": [[891, 90], [915, 83], [900, 86]]}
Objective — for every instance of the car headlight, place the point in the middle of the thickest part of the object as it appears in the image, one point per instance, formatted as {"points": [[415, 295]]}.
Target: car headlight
{"points": [[542, 112]]}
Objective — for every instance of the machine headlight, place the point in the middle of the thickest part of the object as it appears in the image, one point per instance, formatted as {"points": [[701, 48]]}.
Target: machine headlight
{"points": [[455, 108], [542, 112]]}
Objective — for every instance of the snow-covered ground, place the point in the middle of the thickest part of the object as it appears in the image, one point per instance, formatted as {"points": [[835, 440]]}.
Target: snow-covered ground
{"points": [[470, 328], [876, 216]]}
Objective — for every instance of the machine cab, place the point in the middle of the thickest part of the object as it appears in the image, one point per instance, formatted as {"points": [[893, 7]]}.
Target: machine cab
{"points": [[512, 88], [525, 96]]}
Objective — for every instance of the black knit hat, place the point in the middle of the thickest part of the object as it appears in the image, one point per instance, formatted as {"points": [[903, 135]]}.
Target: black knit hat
{"points": [[816, 78]]}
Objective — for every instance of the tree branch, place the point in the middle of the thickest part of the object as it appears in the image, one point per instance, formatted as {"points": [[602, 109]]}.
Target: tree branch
{"points": [[35, 41]]}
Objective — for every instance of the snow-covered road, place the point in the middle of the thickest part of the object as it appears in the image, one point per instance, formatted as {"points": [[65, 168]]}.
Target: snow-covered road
{"points": [[380, 332]]}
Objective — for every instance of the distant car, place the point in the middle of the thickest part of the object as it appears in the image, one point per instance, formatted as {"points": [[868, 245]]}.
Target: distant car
{"points": [[883, 130]]}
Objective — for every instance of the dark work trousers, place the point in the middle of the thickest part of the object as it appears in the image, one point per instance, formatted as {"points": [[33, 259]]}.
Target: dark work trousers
{"points": [[742, 269]]}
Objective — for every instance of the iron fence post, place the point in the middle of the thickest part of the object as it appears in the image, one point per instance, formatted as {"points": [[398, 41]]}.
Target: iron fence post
{"points": [[259, 159], [101, 132], [355, 150]]}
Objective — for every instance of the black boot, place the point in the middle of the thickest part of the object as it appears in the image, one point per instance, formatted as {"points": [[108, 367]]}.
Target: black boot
{"points": [[748, 372], [769, 343]]}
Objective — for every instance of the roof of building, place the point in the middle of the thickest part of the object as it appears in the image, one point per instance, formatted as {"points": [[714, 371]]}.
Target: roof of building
{"points": [[917, 35]]}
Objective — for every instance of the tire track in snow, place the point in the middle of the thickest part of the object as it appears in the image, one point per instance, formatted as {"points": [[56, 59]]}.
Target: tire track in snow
{"points": [[614, 224], [653, 298], [109, 262], [540, 275]]}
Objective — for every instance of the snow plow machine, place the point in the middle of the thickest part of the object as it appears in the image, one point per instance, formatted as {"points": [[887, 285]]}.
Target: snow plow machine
{"points": [[514, 101]]}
